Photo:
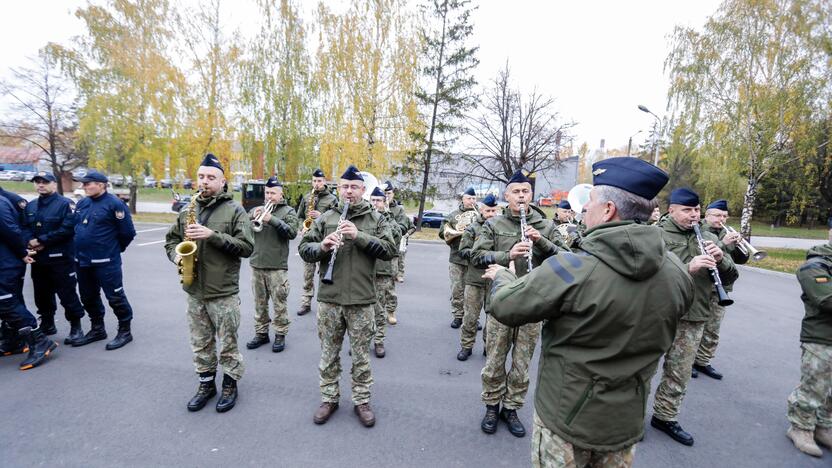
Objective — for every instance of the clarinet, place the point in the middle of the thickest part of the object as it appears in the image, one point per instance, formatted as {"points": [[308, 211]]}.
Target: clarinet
{"points": [[327, 279], [724, 300], [523, 236]]}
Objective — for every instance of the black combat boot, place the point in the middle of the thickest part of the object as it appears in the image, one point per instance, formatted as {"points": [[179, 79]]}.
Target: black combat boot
{"points": [[479, 327], [40, 347], [96, 333], [11, 342], [258, 341], [513, 422], [456, 322], [47, 325], [122, 337], [463, 354], [673, 429], [708, 370], [229, 394], [305, 309], [76, 332], [279, 343], [489, 421], [205, 392]]}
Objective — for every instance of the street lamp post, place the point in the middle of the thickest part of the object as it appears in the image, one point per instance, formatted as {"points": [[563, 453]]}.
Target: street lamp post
{"points": [[656, 136], [630, 142]]}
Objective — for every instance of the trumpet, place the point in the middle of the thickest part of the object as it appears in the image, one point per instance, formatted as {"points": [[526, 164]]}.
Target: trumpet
{"points": [[257, 222], [746, 248]]}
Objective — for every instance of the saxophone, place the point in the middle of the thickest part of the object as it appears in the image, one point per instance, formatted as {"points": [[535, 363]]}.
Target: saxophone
{"points": [[310, 207], [186, 250]]}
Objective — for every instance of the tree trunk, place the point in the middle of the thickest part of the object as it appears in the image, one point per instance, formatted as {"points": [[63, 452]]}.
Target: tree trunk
{"points": [[134, 192], [748, 208]]}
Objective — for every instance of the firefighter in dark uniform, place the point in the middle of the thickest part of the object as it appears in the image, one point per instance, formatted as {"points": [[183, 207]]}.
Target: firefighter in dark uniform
{"points": [[8, 333], [48, 228], [103, 229]]}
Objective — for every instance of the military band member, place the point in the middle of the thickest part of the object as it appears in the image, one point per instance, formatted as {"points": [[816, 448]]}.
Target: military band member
{"points": [[499, 242], [475, 285], [353, 240], [323, 201], [451, 232], [716, 215], [103, 230], [386, 300], [222, 232], [14, 256], [678, 234], [49, 228], [564, 212], [409, 228], [810, 404], [269, 265], [609, 312]]}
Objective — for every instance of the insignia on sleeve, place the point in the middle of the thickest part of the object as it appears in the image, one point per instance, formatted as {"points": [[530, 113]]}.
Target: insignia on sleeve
{"points": [[821, 279], [22, 204], [598, 171], [119, 214]]}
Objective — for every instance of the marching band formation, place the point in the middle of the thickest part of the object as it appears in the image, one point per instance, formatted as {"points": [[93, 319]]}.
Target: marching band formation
{"points": [[610, 287]]}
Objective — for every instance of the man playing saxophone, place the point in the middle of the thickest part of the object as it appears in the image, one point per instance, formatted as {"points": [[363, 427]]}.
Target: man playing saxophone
{"points": [[451, 232], [278, 224], [222, 232], [312, 206]]}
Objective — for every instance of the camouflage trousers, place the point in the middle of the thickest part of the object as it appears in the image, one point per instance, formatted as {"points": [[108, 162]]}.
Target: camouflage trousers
{"points": [[710, 336], [456, 274], [386, 303], [474, 301], [497, 386], [399, 265], [551, 451], [211, 320], [274, 285], [676, 370], [810, 404], [334, 321], [308, 284]]}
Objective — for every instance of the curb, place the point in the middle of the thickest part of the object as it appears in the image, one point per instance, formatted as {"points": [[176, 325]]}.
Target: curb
{"points": [[426, 241], [766, 272]]}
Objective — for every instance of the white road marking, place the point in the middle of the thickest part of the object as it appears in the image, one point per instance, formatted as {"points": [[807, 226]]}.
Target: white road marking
{"points": [[151, 230], [151, 243]]}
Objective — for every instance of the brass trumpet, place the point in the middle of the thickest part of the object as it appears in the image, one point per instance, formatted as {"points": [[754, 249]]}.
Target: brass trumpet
{"points": [[746, 248], [257, 222]]}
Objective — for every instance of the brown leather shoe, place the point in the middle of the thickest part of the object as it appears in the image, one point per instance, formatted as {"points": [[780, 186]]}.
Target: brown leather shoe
{"points": [[365, 414], [379, 349], [324, 412]]}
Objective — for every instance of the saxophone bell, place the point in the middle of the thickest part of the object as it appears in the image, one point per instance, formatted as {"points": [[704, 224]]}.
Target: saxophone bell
{"points": [[187, 249]]}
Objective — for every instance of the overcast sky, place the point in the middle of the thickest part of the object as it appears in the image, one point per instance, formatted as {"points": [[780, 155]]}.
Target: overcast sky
{"points": [[598, 59]]}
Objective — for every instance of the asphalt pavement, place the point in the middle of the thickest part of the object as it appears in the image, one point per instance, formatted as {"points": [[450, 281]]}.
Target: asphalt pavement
{"points": [[90, 407]]}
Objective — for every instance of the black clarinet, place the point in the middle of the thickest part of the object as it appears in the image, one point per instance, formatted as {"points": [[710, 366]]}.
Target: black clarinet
{"points": [[327, 279], [523, 236], [724, 300]]}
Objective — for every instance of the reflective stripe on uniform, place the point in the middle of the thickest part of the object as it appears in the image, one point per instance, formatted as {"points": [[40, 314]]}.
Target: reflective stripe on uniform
{"points": [[100, 260], [5, 297], [56, 255]]}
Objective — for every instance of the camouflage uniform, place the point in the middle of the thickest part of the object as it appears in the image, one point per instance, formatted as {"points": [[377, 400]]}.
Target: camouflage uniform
{"points": [[385, 305], [551, 451], [333, 321], [308, 284], [274, 285], [676, 371], [458, 265], [325, 200], [474, 300], [400, 267], [498, 387], [213, 318]]}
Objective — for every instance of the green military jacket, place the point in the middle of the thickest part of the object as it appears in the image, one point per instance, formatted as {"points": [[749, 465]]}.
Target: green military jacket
{"points": [[815, 277], [500, 233], [271, 245], [450, 220], [355, 264], [473, 275], [402, 219], [325, 201], [218, 257], [682, 242], [737, 256], [385, 267], [610, 311]]}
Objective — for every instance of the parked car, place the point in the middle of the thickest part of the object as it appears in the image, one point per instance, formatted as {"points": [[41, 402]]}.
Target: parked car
{"points": [[188, 184], [179, 202], [150, 182], [79, 172], [431, 219], [16, 176], [116, 179], [5, 175], [27, 176], [166, 183], [546, 201]]}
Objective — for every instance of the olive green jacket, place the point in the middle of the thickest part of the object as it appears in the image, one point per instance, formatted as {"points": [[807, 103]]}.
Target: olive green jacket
{"points": [[218, 257], [473, 274], [271, 245], [450, 220], [385, 267], [610, 311], [737, 256], [402, 219], [815, 277], [326, 200], [355, 264], [682, 242]]}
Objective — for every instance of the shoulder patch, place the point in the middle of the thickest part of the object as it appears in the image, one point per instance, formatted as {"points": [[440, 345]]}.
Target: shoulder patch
{"points": [[119, 214], [821, 279], [22, 204]]}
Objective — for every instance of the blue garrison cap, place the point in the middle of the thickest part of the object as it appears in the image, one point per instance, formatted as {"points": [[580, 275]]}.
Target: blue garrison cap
{"points": [[388, 186], [720, 204], [470, 191], [273, 182], [377, 193], [318, 173], [519, 178], [565, 205], [490, 200], [47, 176], [211, 161], [94, 176], [352, 173], [684, 197], [631, 174]]}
